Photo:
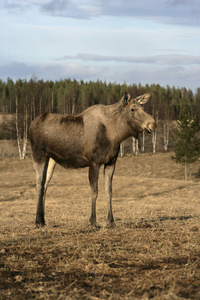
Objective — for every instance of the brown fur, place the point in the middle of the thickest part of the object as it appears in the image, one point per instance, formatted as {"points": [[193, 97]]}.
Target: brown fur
{"points": [[89, 139], [68, 119]]}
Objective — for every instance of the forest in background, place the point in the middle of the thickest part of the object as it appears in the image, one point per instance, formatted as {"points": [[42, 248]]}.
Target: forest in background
{"points": [[72, 96], [27, 99]]}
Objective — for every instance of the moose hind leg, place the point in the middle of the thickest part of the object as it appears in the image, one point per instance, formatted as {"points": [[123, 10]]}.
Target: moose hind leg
{"points": [[41, 174], [93, 178], [108, 176]]}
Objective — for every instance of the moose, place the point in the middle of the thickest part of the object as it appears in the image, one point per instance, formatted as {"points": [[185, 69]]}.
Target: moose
{"points": [[89, 139]]}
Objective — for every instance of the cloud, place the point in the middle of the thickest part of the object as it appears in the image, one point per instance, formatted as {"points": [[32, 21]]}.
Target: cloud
{"points": [[16, 6], [172, 75], [16, 70], [163, 11], [169, 59], [183, 12], [51, 71], [63, 8]]}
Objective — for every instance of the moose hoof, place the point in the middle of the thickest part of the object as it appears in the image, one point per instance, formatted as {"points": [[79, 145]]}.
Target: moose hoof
{"points": [[39, 223], [93, 222], [110, 224], [94, 225]]}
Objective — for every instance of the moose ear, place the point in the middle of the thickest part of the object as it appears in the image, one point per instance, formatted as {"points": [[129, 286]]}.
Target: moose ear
{"points": [[143, 99], [125, 99]]}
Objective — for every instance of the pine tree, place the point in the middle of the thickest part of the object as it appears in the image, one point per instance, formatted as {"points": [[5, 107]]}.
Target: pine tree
{"points": [[186, 140]]}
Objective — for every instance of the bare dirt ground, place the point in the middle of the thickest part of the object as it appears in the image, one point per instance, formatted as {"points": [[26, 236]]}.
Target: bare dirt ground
{"points": [[152, 252]]}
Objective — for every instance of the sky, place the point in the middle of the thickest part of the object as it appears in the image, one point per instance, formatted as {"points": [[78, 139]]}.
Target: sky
{"points": [[132, 41]]}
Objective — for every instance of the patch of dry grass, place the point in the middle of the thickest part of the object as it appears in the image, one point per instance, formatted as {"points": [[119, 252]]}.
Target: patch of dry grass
{"points": [[147, 260], [153, 252]]}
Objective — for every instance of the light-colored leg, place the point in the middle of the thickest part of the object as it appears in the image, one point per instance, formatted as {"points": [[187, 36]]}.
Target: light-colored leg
{"points": [[93, 178], [50, 170], [108, 176]]}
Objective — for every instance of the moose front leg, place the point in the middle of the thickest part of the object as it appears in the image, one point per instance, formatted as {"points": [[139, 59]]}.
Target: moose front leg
{"points": [[108, 176], [93, 178]]}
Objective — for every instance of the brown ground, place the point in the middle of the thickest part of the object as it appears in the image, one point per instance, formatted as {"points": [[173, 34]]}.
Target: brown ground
{"points": [[152, 252]]}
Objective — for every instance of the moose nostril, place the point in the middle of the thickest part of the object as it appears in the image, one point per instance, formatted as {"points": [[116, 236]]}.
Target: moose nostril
{"points": [[151, 126]]}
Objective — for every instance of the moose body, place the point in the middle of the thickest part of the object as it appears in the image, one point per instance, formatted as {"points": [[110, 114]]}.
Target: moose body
{"points": [[90, 139]]}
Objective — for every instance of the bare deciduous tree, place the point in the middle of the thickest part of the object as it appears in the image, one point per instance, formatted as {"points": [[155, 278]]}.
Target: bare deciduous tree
{"points": [[22, 143], [154, 134], [166, 135], [122, 149], [135, 146]]}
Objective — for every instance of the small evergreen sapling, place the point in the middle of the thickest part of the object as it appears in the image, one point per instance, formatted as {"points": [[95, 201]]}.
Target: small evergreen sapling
{"points": [[186, 140]]}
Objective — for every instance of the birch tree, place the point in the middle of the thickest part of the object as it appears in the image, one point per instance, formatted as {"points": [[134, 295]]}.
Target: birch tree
{"points": [[135, 146], [154, 140], [166, 136], [122, 149], [154, 134], [143, 141], [21, 142]]}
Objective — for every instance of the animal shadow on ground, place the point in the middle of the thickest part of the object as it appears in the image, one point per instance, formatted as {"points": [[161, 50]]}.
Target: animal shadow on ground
{"points": [[144, 223]]}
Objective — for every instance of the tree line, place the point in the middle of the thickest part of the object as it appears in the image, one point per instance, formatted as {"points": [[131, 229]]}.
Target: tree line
{"points": [[27, 99], [72, 96]]}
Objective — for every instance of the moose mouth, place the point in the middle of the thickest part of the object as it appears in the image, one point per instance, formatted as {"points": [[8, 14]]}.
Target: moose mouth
{"points": [[150, 127], [149, 130]]}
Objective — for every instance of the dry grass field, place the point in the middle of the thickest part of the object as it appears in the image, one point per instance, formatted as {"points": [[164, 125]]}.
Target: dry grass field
{"points": [[152, 252]]}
